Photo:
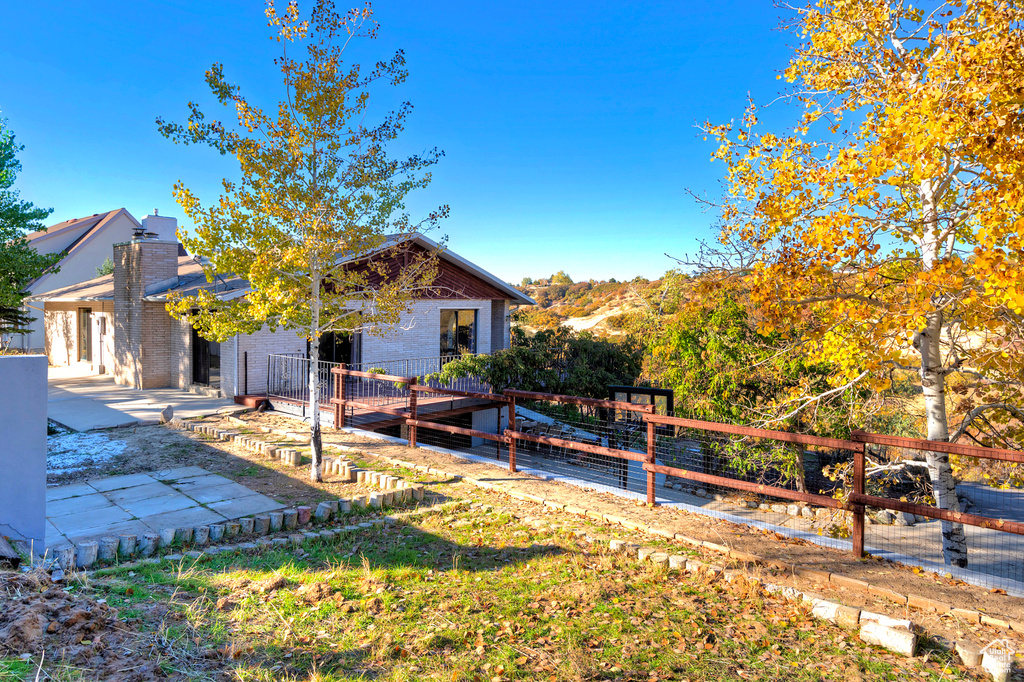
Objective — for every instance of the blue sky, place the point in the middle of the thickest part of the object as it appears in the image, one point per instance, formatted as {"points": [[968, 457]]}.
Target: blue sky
{"points": [[568, 127]]}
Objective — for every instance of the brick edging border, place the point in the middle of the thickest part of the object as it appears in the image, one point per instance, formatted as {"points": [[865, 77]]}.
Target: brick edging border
{"points": [[106, 550], [918, 602], [896, 635]]}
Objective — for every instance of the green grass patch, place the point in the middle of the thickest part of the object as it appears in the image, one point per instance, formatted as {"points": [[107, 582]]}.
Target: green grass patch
{"points": [[15, 669], [466, 594]]}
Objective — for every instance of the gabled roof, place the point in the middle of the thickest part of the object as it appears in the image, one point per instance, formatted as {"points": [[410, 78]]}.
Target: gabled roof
{"points": [[90, 227], [191, 279], [90, 224], [514, 294], [418, 239]]}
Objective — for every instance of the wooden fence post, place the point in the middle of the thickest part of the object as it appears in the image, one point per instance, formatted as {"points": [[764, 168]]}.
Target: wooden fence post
{"points": [[341, 392], [412, 411], [651, 442], [512, 440], [857, 534], [337, 407]]}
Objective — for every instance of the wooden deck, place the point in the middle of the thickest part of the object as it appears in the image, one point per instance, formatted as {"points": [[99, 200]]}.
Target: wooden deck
{"points": [[428, 407]]}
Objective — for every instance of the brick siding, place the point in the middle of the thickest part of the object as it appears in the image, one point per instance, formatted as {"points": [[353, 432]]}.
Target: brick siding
{"points": [[142, 329], [418, 334]]}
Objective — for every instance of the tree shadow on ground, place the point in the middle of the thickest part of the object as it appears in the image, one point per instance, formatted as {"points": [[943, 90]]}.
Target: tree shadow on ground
{"points": [[343, 607], [158, 448]]}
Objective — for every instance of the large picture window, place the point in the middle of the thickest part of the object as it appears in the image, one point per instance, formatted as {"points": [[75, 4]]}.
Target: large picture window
{"points": [[458, 332]]}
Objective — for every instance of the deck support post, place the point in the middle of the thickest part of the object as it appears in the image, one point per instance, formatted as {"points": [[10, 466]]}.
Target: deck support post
{"points": [[511, 439], [651, 441], [412, 411], [857, 532], [339, 391]]}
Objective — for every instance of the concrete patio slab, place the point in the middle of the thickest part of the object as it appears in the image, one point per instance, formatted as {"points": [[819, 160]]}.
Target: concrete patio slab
{"points": [[52, 535], [186, 518], [84, 414], [177, 474], [244, 506], [120, 482], [218, 493], [186, 485], [125, 496], [139, 503], [77, 506], [153, 506], [84, 402], [96, 519], [134, 527], [66, 491]]}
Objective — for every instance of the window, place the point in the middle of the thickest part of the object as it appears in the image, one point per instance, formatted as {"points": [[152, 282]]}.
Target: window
{"points": [[205, 361], [339, 347], [458, 332], [84, 334]]}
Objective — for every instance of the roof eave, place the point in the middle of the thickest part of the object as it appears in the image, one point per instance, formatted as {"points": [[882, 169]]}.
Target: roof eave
{"points": [[222, 295], [63, 299], [515, 295]]}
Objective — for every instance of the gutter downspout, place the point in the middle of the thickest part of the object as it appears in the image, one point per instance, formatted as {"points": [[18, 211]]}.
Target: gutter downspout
{"points": [[236, 368]]}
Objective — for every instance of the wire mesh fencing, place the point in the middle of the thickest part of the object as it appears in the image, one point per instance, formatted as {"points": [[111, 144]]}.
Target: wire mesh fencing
{"points": [[425, 370], [877, 491], [601, 442], [763, 464], [989, 495]]}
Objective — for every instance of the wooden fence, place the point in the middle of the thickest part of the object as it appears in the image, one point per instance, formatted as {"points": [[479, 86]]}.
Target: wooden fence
{"points": [[854, 502]]}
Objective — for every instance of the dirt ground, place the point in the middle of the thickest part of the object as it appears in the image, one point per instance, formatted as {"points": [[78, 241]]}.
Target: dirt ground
{"points": [[156, 447], [151, 448], [40, 617], [771, 546]]}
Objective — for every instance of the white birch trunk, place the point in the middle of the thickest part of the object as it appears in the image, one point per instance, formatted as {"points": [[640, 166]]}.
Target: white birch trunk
{"points": [[315, 444], [933, 382]]}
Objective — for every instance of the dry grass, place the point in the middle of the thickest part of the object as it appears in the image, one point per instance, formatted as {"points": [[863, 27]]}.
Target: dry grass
{"points": [[467, 593]]}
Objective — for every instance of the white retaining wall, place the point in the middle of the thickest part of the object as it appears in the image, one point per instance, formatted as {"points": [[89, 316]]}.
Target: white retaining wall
{"points": [[23, 453]]}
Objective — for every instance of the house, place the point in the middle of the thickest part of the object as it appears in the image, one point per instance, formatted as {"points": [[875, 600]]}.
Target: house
{"points": [[118, 324], [85, 244]]}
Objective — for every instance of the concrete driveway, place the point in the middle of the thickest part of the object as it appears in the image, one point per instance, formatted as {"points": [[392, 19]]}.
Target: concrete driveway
{"points": [[83, 402]]}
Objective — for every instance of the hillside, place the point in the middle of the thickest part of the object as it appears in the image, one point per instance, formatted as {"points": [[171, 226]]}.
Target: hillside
{"points": [[595, 306]]}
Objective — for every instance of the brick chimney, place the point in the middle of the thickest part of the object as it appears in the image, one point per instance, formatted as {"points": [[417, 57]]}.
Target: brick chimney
{"points": [[142, 329]]}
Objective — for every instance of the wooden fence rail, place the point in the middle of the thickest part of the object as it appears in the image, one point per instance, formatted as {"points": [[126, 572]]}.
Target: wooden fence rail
{"points": [[855, 501]]}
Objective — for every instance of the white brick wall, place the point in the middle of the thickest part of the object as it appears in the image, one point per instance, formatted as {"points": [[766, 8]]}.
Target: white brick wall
{"points": [[61, 323], [258, 346], [500, 325], [418, 334], [181, 353]]}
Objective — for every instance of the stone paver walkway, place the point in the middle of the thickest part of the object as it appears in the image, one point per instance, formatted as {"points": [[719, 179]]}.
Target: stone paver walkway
{"points": [[146, 503]]}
